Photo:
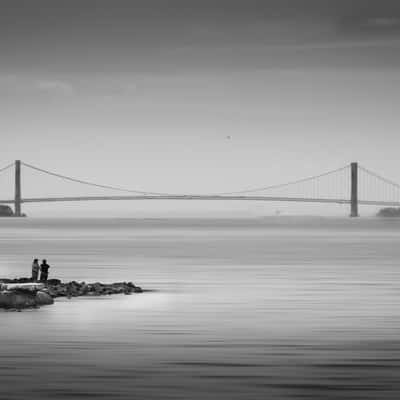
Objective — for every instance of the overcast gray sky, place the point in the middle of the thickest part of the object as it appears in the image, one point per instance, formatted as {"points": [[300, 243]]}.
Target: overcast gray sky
{"points": [[144, 94]]}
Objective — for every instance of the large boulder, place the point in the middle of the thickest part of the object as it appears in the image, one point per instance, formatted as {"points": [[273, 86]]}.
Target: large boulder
{"points": [[43, 298], [53, 281], [12, 299], [20, 296]]}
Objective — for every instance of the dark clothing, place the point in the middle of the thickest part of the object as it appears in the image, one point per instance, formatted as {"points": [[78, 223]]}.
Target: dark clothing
{"points": [[44, 272]]}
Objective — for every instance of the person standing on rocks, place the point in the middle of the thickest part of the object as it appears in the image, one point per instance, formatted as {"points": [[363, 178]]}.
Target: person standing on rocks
{"points": [[44, 271], [35, 270]]}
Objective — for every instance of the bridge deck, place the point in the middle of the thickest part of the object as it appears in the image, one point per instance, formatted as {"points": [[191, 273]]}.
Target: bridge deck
{"points": [[200, 197], [177, 197]]}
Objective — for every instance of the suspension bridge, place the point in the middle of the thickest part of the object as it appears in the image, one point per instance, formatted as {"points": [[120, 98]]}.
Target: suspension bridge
{"points": [[351, 185]]}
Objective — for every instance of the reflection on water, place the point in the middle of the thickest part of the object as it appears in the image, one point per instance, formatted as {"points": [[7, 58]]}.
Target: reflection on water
{"points": [[247, 309]]}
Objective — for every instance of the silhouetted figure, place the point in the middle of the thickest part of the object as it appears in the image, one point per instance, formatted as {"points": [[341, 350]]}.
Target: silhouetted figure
{"points": [[35, 270], [44, 271]]}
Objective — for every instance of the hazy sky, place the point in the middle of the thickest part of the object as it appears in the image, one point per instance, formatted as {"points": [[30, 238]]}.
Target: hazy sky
{"points": [[144, 94]]}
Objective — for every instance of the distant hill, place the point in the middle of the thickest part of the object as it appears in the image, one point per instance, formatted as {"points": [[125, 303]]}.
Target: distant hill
{"points": [[390, 212], [6, 211]]}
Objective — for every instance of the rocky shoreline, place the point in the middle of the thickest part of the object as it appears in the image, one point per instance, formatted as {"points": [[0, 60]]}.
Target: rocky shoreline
{"points": [[21, 293]]}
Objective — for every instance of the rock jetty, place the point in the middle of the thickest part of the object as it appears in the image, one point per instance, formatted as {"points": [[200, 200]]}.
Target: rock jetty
{"points": [[23, 293], [56, 288]]}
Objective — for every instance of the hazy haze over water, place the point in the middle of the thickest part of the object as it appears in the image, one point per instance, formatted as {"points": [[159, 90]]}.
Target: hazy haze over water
{"points": [[268, 308]]}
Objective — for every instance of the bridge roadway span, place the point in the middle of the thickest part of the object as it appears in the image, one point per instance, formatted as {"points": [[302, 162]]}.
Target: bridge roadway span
{"points": [[199, 197]]}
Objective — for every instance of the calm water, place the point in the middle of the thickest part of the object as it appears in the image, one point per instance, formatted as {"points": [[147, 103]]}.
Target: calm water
{"points": [[272, 308]]}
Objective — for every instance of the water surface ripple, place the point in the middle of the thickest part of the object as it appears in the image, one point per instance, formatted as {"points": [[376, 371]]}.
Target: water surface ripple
{"points": [[278, 308]]}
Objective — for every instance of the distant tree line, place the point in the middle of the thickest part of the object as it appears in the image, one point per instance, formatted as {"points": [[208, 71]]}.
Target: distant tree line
{"points": [[390, 212], [6, 211]]}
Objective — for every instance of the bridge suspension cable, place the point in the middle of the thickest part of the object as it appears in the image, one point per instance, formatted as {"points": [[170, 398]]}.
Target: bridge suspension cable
{"points": [[6, 167], [142, 192], [68, 178], [377, 187], [283, 185], [379, 177]]}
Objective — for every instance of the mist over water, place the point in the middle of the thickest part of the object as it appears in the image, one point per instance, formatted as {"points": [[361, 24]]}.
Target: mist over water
{"points": [[279, 308]]}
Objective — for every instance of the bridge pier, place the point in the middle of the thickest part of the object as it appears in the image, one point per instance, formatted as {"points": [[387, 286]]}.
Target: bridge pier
{"points": [[17, 197], [354, 191]]}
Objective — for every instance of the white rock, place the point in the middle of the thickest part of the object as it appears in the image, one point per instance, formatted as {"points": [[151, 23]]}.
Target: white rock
{"points": [[33, 287]]}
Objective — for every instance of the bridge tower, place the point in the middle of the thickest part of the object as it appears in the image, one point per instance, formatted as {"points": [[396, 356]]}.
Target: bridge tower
{"points": [[354, 190], [17, 197]]}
